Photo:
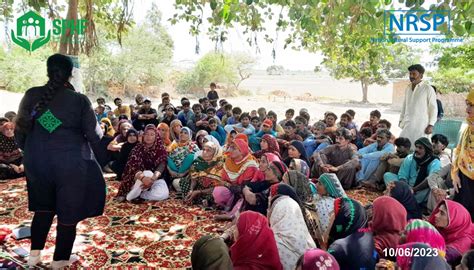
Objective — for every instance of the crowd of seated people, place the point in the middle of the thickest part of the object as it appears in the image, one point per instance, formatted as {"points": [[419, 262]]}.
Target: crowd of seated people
{"points": [[283, 184]]}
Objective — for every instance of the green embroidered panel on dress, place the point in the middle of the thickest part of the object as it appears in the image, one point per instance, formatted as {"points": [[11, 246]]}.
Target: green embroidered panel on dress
{"points": [[49, 121]]}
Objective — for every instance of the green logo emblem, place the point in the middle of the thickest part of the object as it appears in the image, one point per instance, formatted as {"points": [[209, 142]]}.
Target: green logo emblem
{"points": [[30, 29]]}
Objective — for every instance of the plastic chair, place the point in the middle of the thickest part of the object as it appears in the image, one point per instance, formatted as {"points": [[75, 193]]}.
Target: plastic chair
{"points": [[451, 129]]}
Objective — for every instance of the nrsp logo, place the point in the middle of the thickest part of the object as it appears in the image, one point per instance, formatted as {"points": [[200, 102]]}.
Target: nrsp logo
{"points": [[416, 22]]}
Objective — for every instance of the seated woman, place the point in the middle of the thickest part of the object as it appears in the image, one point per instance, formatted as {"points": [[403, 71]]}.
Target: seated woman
{"points": [[288, 224], [300, 166], [120, 138], [453, 221], [200, 138], [316, 259], [401, 192], [353, 247], [328, 188], [389, 218], [181, 155], [131, 139], [296, 150], [420, 262], [254, 140], [268, 144], [420, 231], [204, 175], [175, 129], [149, 155], [210, 253], [164, 132], [11, 158], [255, 246], [256, 193], [103, 155], [239, 167]]}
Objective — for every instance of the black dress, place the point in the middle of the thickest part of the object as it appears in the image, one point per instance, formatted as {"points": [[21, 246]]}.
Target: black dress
{"points": [[62, 173]]}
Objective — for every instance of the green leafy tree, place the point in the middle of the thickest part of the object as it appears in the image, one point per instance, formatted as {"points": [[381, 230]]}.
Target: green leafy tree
{"points": [[341, 30], [455, 68]]}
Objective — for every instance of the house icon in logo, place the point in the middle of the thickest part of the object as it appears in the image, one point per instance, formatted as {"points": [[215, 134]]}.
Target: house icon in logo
{"points": [[30, 27]]}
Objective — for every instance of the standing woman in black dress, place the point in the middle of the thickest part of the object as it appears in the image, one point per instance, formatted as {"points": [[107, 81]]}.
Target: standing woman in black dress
{"points": [[56, 128]]}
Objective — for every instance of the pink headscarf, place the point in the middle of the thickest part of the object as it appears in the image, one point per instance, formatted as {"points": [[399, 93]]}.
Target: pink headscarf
{"points": [[243, 146], [315, 259], [271, 157], [458, 232], [222, 196]]}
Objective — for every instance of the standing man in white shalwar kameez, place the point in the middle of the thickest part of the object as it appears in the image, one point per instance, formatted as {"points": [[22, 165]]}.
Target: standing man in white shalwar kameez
{"points": [[419, 111]]}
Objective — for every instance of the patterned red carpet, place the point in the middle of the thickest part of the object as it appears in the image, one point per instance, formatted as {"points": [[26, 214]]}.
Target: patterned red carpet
{"points": [[156, 234]]}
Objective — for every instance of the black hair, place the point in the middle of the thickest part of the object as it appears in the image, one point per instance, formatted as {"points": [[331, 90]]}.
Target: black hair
{"points": [[123, 117], [59, 69], [401, 141], [211, 109], [345, 133], [290, 123], [201, 100], [468, 259], [330, 114], [255, 118], [212, 121], [417, 67], [386, 122], [301, 119], [197, 105], [205, 98], [100, 98], [387, 132], [376, 113], [228, 106], [440, 138], [244, 115], [164, 94], [186, 103], [346, 115], [290, 111], [117, 98], [367, 132], [213, 84], [351, 112], [236, 110]]}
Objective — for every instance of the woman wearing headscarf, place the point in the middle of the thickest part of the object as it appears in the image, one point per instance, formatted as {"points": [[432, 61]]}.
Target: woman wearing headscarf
{"points": [[200, 137], [268, 144], [296, 150], [103, 155], [288, 224], [204, 175], [354, 247], [164, 132], [256, 193], [239, 167], [149, 155], [118, 166], [300, 165], [175, 129], [453, 221], [421, 231], [181, 154], [388, 221], [401, 192], [462, 170], [11, 157], [205, 139], [210, 253], [120, 136], [255, 247], [55, 127], [328, 190], [317, 259], [433, 262]]}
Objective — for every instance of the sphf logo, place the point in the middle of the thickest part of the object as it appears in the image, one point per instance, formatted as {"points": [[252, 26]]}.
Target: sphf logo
{"points": [[31, 32]]}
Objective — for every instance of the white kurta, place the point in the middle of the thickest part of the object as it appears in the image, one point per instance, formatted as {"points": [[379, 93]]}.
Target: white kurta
{"points": [[418, 111]]}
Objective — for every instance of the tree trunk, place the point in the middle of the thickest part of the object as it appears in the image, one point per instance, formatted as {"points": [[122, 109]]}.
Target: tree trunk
{"points": [[365, 88], [67, 44]]}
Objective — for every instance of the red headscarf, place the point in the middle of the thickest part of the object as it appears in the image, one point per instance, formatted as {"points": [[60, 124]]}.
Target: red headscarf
{"points": [[458, 233], [389, 219], [166, 135], [242, 136], [256, 246], [142, 158], [273, 146]]}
